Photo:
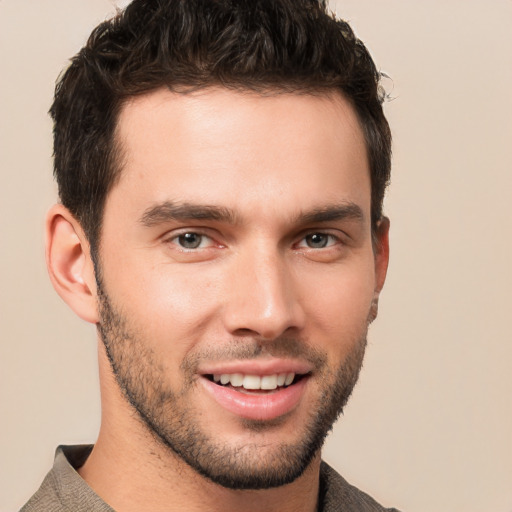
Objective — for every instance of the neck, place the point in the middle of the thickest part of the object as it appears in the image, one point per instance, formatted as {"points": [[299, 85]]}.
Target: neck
{"points": [[131, 470], [127, 484]]}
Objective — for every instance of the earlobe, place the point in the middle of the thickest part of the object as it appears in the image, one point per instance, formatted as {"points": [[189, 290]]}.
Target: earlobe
{"points": [[69, 263]]}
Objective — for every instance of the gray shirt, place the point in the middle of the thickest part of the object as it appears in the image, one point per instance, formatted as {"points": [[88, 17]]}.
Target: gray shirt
{"points": [[63, 490]]}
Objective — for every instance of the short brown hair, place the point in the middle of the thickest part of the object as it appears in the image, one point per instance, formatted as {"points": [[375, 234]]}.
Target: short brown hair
{"points": [[259, 45]]}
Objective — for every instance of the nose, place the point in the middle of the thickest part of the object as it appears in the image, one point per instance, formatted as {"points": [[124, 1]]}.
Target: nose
{"points": [[262, 297]]}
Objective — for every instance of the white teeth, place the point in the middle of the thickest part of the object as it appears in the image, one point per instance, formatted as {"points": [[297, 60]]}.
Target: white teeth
{"points": [[289, 379], [237, 380], [252, 382], [267, 382]]}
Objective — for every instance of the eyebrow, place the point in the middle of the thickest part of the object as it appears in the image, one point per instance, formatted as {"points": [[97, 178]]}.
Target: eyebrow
{"points": [[342, 211], [169, 211]]}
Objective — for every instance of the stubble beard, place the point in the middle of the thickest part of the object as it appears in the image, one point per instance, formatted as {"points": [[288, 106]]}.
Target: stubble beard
{"points": [[170, 418]]}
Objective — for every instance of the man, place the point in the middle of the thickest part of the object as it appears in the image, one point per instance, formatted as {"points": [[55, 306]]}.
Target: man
{"points": [[221, 169]]}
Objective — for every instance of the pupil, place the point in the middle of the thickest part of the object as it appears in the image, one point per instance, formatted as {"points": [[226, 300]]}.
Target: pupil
{"points": [[190, 240], [317, 240]]}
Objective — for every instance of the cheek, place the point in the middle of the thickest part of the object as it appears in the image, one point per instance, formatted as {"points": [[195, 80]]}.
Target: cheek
{"points": [[340, 309], [170, 306]]}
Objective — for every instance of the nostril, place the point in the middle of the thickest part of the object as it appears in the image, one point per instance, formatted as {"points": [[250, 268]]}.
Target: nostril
{"points": [[245, 332]]}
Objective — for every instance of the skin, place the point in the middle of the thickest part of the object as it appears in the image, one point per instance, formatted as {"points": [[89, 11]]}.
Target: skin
{"points": [[255, 279]]}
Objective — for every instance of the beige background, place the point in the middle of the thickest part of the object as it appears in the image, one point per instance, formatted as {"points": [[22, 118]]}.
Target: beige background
{"points": [[430, 424]]}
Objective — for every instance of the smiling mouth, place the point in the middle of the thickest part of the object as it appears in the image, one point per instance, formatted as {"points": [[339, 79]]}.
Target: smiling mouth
{"points": [[255, 383]]}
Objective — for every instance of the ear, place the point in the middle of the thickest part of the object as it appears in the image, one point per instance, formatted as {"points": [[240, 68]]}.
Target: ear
{"points": [[381, 258], [69, 263]]}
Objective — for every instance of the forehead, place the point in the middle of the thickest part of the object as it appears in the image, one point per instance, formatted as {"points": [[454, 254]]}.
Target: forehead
{"points": [[241, 150]]}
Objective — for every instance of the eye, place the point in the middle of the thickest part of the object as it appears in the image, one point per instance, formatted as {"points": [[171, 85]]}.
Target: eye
{"points": [[318, 240], [192, 240]]}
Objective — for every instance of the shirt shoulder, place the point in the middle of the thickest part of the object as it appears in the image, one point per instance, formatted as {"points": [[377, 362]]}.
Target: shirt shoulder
{"points": [[63, 490], [337, 495], [45, 498]]}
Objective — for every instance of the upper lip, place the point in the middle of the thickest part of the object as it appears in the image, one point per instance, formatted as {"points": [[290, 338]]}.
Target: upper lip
{"points": [[257, 367]]}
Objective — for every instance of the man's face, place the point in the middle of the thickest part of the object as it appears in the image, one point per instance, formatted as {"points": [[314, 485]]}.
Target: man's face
{"points": [[238, 274]]}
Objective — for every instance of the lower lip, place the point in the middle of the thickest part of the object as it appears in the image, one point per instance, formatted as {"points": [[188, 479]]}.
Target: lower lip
{"points": [[260, 407]]}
